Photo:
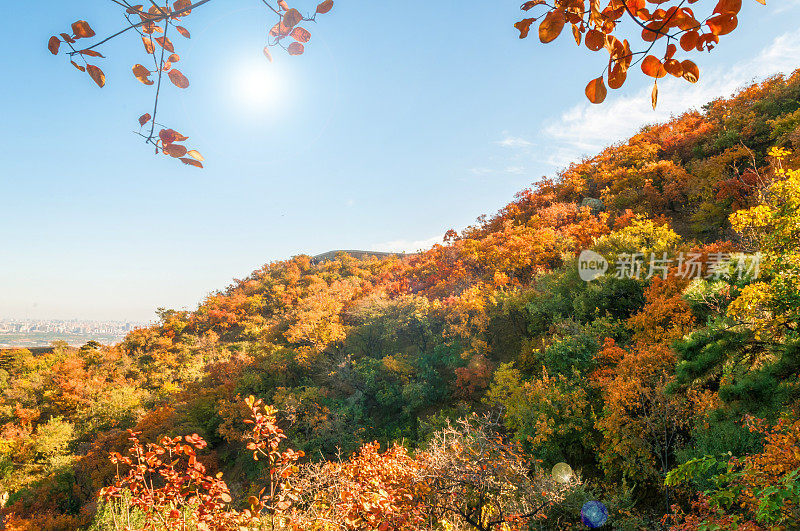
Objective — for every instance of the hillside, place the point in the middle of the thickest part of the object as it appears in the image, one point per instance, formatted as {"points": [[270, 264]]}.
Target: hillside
{"points": [[625, 379]]}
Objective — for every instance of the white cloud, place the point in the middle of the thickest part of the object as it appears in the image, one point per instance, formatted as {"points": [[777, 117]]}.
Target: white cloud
{"points": [[515, 169], [406, 246], [585, 128], [514, 142], [481, 171]]}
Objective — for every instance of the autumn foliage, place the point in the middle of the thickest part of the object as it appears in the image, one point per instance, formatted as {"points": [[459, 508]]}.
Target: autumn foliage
{"points": [[438, 390]]}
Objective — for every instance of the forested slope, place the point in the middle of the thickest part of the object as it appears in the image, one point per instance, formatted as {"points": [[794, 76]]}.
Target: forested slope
{"points": [[625, 379]]}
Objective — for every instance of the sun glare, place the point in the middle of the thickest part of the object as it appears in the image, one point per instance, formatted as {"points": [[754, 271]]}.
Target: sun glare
{"points": [[256, 87]]}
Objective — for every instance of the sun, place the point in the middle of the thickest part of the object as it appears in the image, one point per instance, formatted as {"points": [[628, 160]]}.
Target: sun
{"points": [[257, 87]]}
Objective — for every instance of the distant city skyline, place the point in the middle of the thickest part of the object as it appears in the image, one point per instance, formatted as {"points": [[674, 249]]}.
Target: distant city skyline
{"points": [[42, 332]]}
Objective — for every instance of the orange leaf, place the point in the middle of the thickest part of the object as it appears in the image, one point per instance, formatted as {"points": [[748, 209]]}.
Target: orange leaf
{"points": [[301, 34], [178, 79], [97, 75], [174, 58], [325, 6], [82, 29], [165, 43], [652, 67], [168, 136], [576, 33], [728, 6], [524, 26], [594, 40], [296, 48], [527, 6], [292, 18], [143, 119], [722, 24], [79, 67], [689, 40], [596, 90], [654, 95], [267, 54], [149, 47], [91, 53], [674, 67], [183, 31], [192, 162], [142, 74], [181, 5], [551, 26], [617, 76], [690, 71], [175, 150], [195, 155], [54, 44]]}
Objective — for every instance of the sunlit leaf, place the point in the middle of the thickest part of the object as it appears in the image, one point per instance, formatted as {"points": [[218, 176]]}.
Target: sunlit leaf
{"points": [[143, 119], [79, 67], [149, 47], [531, 4], [576, 34], [722, 24], [183, 31], [594, 40], [97, 75], [301, 34], [689, 40], [596, 90], [690, 71], [142, 74], [81, 29], [654, 95], [174, 58], [673, 67], [651, 66], [195, 155], [617, 76], [551, 26], [267, 54]]}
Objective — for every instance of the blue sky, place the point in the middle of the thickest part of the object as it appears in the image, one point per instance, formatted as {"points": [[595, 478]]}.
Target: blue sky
{"points": [[402, 120]]}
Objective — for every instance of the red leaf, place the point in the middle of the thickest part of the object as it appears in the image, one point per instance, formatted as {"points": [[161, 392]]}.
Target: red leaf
{"points": [[296, 48], [143, 119], [54, 44], [325, 6], [192, 162], [178, 79]]}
